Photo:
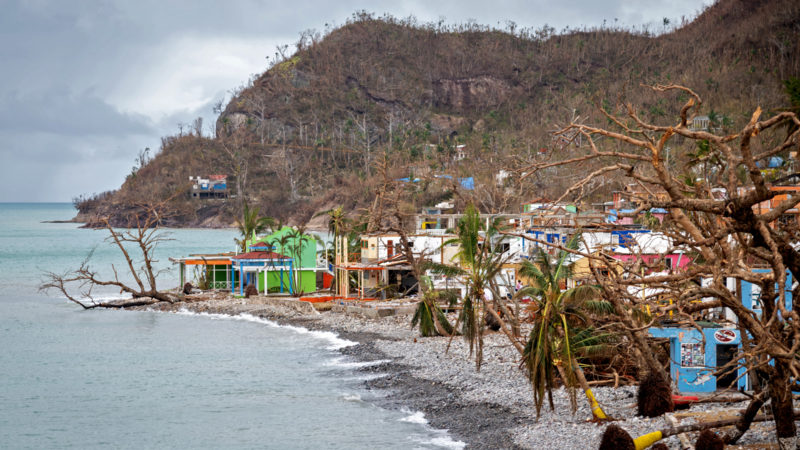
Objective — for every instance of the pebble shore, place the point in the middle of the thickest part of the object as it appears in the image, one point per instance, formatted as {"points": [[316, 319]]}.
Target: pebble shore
{"points": [[492, 408]]}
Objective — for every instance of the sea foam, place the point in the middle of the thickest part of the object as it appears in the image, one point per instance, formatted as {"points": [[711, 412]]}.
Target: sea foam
{"points": [[335, 341], [351, 398], [345, 364], [414, 417], [442, 439], [446, 442]]}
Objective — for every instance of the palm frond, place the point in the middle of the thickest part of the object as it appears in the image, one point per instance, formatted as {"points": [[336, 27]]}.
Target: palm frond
{"points": [[442, 269], [424, 318], [442, 318], [599, 307]]}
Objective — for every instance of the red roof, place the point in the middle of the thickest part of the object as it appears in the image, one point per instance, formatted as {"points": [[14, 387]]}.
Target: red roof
{"points": [[262, 244], [260, 255]]}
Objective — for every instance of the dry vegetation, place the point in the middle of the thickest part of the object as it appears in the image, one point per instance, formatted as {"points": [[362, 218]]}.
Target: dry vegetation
{"points": [[304, 135]]}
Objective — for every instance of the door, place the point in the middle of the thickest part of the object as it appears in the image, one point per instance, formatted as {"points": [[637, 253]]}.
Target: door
{"points": [[725, 354], [389, 249]]}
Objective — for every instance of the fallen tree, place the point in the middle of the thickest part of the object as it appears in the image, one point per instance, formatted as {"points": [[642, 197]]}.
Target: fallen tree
{"points": [[714, 190], [78, 285]]}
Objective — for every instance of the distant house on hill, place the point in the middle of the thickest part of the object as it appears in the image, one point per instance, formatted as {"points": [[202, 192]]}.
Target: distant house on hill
{"points": [[215, 186]]}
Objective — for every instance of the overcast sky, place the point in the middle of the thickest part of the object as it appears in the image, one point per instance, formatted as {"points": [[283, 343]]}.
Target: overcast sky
{"points": [[85, 85]]}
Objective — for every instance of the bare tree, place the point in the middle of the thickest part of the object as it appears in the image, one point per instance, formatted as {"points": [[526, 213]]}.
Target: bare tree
{"points": [[137, 246], [714, 216]]}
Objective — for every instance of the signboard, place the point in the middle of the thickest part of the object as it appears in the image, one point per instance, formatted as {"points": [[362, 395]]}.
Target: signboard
{"points": [[693, 355], [724, 336]]}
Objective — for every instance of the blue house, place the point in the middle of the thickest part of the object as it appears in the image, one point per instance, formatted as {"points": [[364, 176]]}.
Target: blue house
{"points": [[695, 356], [251, 265]]}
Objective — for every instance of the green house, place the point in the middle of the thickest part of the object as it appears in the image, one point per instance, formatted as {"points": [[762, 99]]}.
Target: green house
{"points": [[303, 251]]}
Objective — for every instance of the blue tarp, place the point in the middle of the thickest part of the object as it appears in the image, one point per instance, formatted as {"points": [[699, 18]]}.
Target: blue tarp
{"points": [[467, 183]]}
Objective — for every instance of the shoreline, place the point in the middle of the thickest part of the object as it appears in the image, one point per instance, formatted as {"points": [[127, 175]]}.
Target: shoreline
{"points": [[492, 408]]}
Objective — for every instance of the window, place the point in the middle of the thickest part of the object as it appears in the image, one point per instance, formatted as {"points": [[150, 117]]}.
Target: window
{"points": [[755, 297]]}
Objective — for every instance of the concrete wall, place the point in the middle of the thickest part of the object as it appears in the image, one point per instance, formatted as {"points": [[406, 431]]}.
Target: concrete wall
{"points": [[695, 375]]}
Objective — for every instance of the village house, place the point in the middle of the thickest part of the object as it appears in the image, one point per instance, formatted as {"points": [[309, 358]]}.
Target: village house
{"points": [[215, 186]]}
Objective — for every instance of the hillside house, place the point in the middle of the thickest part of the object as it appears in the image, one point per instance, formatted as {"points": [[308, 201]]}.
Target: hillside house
{"points": [[215, 186]]}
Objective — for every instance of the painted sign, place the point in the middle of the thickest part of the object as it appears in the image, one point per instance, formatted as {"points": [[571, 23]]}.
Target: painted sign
{"points": [[724, 336], [692, 355]]}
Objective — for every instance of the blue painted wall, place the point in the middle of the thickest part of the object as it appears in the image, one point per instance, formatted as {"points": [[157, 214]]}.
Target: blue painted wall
{"points": [[692, 376], [751, 300]]}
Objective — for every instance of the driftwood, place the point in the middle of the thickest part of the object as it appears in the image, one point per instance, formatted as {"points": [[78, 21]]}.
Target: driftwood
{"points": [[141, 240], [645, 441]]}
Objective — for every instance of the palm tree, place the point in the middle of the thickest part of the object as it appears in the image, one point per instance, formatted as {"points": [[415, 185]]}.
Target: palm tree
{"points": [[430, 317], [250, 224], [294, 241], [561, 328], [337, 226], [479, 263]]}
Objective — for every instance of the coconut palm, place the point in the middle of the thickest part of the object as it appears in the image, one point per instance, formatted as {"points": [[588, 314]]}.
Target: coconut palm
{"points": [[561, 328], [251, 224], [430, 317], [295, 240], [338, 225], [479, 263]]}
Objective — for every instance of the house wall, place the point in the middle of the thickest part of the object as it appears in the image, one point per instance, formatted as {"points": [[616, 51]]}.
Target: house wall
{"points": [[750, 295], [678, 260], [696, 375], [377, 247], [308, 281], [307, 257]]}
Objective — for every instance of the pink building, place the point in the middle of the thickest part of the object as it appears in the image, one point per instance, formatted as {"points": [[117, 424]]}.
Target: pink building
{"points": [[650, 247]]}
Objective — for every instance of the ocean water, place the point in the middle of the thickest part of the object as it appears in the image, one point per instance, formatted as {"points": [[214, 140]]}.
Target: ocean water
{"points": [[71, 378]]}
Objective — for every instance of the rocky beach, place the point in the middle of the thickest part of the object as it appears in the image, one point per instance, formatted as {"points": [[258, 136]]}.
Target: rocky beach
{"points": [[492, 408]]}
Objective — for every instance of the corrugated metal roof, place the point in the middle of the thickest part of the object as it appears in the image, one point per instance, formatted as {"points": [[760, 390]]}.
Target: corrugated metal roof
{"points": [[261, 255]]}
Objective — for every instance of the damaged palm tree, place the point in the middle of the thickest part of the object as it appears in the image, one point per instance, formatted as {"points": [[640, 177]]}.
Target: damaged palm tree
{"points": [[561, 329], [137, 246], [429, 315], [479, 263]]}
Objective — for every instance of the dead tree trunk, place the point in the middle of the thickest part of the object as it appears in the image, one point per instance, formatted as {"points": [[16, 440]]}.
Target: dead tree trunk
{"points": [[78, 285], [782, 408]]}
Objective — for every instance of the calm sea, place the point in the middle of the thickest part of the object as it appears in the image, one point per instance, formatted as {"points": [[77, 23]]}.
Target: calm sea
{"points": [[118, 379]]}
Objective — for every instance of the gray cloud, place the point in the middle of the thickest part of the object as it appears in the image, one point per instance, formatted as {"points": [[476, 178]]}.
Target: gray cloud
{"points": [[58, 110]]}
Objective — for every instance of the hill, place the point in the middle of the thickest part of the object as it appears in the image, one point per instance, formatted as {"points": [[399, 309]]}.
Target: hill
{"points": [[306, 134]]}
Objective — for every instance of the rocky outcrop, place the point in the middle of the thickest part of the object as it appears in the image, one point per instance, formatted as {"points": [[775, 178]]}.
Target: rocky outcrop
{"points": [[466, 94]]}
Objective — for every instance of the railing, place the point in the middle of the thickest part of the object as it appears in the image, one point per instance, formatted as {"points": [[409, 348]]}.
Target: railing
{"points": [[220, 285]]}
